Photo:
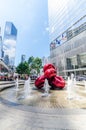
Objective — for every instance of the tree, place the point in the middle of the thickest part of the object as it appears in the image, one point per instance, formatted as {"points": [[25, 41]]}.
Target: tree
{"points": [[35, 63], [38, 64], [23, 68], [30, 60]]}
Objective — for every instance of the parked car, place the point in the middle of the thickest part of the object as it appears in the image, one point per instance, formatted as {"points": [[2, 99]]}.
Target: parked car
{"points": [[81, 78], [33, 77], [3, 78]]}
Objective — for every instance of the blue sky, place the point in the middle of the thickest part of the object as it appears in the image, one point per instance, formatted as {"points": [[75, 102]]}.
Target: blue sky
{"points": [[31, 19]]}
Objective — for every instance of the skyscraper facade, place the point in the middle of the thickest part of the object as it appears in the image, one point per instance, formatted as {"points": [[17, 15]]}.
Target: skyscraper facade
{"points": [[23, 57], [9, 46], [0, 47], [67, 32], [0, 43]]}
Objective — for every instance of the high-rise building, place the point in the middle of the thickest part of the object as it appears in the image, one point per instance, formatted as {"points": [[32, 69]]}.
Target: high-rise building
{"points": [[6, 58], [23, 57], [10, 31], [9, 40], [67, 31], [1, 46]]}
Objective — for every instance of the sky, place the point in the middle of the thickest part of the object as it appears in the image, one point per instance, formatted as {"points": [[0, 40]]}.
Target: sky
{"points": [[30, 17]]}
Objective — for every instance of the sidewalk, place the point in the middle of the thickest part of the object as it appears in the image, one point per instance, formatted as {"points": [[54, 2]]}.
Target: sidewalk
{"points": [[12, 118]]}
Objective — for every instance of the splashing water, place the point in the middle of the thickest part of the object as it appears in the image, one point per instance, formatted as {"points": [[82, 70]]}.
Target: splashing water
{"points": [[85, 84], [16, 84], [47, 88], [27, 88], [70, 83]]}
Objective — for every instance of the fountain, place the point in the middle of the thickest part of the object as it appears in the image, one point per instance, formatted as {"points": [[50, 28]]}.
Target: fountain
{"points": [[47, 88], [70, 84], [74, 82], [27, 88], [28, 95], [71, 87], [85, 84], [16, 84]]}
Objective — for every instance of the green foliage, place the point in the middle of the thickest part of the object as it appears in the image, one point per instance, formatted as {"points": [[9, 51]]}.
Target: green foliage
{"points": [[23, 68], [30, 60], [38, 64], [27, 67], [35, 63]]}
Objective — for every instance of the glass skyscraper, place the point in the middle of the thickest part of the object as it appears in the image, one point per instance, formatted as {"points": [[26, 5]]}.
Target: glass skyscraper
{"points": [[67, 32], [0, 44], [23, 57], [0, 47], [9, 46], [10, 31]]}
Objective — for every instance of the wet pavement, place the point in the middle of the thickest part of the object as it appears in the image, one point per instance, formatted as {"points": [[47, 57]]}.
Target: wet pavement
{"points": [[38, 112]]}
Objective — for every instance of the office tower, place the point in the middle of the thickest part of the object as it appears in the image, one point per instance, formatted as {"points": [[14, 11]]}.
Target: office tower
{"points": [[67, 31], [1, 46], [23, 57], [6, 58], [10, 37]]}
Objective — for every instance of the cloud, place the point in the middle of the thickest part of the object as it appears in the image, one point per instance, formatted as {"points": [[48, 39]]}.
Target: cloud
{"points": [[47, 29], [9, 47], [10, 52], [10, 43]]}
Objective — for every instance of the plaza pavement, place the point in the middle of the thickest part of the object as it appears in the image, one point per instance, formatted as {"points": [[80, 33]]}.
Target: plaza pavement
{"points": [[54, 112]]}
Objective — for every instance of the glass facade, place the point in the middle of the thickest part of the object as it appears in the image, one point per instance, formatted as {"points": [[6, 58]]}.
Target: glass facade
{"points": [[0, 47], [67, 31], [9, 43], [10, 31], [64, 13], [23, 57]]}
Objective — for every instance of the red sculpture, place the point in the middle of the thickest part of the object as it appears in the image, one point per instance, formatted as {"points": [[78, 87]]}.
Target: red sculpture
{"points": [[48, 66], [49, 73], [57, 82], [53, 80], [39, 82]]}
